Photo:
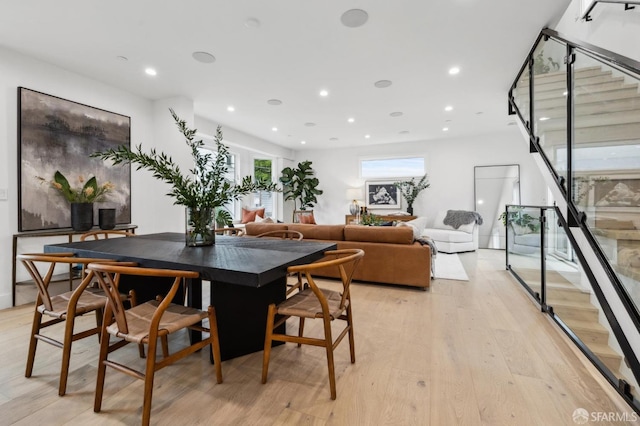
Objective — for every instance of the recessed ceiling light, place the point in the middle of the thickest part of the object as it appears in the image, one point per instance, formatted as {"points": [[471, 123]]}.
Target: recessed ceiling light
{"points": [[204, 57], [354, 18], [445, 129], [274, 102], [303, 142], [230, 108], [479, 113], [333, 139], [252, 23], [324, 93], [454, 70], [309, 124], [403, 132], [351, 120], [511, 123], [150, 71], [448, 108], [396, 114], [367, 136], [275, 129], [381, 84], [543, 118], [122, 58]]}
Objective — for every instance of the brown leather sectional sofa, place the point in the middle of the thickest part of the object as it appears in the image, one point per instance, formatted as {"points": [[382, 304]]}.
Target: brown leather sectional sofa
{"points": [[391, 255]]}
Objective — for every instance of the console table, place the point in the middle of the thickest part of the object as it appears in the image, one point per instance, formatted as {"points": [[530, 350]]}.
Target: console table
{"points": [[349, 218], [52, 233]]}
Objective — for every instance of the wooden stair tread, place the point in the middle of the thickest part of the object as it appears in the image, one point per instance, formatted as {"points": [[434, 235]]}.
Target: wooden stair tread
{"points": [[573, 305], [591, 326], [603, 351]]}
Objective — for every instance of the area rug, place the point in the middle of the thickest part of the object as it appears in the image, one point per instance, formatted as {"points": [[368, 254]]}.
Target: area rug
{"points": [[449, 267]]}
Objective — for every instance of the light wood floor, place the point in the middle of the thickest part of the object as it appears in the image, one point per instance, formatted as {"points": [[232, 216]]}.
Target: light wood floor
{"points": [[468, 353]]}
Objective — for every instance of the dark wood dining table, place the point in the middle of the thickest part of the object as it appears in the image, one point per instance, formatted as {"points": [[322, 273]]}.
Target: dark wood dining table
{"points": [[246, 274]]}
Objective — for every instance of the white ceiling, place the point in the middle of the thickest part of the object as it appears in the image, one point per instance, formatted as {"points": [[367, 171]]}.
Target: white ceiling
{"points": [[299, 48]]}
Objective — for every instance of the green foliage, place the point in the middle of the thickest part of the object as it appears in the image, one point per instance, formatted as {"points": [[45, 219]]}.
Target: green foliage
{"points": [[410, 189], [370, 219], [542, 65], [520, 218], [205, 186], [300, 184], [223, 217], [89, 193]]}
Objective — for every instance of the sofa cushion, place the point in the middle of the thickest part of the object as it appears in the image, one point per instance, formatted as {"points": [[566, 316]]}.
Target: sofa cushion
{"points": [[257, 228], [447, 235], [417, 225], [379, 234], [319, 232]]}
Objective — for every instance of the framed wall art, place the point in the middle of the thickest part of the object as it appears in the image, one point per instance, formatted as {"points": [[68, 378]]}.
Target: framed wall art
{"points": [[56, 134], [382, 195]]}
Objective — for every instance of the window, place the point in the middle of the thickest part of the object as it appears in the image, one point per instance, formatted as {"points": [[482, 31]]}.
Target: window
{"points": [[263, 171], [392, 167]]}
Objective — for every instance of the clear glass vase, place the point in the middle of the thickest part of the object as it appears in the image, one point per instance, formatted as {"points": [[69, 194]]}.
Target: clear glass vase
{"points": [[200, 229]]}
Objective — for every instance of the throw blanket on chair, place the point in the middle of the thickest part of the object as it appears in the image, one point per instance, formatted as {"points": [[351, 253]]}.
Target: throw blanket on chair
{"points": [[456, 218], [434, 251]]}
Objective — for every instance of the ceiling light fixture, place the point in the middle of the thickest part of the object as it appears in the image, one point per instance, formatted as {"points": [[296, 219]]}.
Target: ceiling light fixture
{"points": [[122, 58], [403, 132], [351, 120], [275, 129], [448, 108], [324, 93], [230, 108], [252, 23], [203, 57], [445, 129], [309, 124], [454, 70], [303, 142], [354, 18], [396, 114], [274, 102], [367, 136], [150, 71], [333, 139], [381, 84], [543, 118]]}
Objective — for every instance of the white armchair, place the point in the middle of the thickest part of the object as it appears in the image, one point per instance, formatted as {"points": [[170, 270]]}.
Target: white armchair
{"points": [[449, 239]]}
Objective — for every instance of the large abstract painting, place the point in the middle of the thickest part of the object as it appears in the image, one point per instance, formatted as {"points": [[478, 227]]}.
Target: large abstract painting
{"points": [[55, 134]]}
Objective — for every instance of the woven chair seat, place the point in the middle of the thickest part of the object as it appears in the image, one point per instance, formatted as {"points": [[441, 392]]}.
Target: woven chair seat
{"points": [[305, 304], [90, 300], [139, 318]]}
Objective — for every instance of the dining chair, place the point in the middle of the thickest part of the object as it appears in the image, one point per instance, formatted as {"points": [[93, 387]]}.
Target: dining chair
{"points": [[65, 307], [104, 234], [285, 234], [146, 323], [315, 302], [238, 232]]}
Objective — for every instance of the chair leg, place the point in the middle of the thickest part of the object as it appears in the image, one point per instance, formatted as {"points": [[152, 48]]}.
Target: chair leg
{"points": [[215, 342], [267, 342], [66, 353], [330, 364], [352, 345], [301, 329], [165, 346], [102, 369], [33, 342], [148, 381]]}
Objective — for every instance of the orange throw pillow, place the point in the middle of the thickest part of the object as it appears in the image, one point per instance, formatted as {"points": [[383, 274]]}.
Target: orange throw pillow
{"points": [[306, 218], [250, 215]]}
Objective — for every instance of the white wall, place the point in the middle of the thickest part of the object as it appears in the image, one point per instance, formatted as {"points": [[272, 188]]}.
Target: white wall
{"points": [[611, 27], [449, 164]]}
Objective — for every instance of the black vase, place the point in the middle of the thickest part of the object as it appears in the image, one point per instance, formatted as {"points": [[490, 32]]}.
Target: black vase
{"points": [[81, 216], [410, 210], [107, 218]]}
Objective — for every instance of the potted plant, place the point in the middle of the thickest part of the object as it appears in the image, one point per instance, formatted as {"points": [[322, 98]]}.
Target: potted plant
{"points": [[223, 217], [410, 189], [201, 191], [300, 184], [81, 199]]}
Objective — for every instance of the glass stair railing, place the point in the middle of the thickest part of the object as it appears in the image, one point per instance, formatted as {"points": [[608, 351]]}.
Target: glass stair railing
{"points": [[579, 108]]}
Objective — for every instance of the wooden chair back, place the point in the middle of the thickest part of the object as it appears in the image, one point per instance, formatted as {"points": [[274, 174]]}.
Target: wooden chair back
{"points": [[104, 234], [285, 234]]}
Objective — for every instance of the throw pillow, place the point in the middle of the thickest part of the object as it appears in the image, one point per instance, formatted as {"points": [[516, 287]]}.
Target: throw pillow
{"points": [[250, 215], [418, 224], [306, 218]]}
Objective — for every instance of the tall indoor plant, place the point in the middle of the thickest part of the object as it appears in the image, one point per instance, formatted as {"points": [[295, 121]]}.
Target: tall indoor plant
{"points": [[410, 189], [301, 184], [203, 190]]}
